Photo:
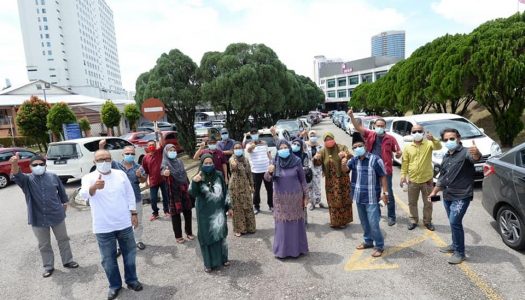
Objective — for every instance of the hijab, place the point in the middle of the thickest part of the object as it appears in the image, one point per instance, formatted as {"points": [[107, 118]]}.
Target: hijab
{"points": [[208, 178], [175, 166], [332, 154], [301, 154], [285, 163]]}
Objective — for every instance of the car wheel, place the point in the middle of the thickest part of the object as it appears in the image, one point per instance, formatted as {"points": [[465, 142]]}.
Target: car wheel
{"points": [[4, 181], [511, 227]]}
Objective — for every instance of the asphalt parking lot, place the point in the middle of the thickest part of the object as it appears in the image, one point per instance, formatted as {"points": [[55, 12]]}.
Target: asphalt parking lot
{"points": [[411, 268]]}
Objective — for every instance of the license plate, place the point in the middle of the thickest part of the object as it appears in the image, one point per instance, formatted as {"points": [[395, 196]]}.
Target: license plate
{"points": [[60, 162], [479, 169]]}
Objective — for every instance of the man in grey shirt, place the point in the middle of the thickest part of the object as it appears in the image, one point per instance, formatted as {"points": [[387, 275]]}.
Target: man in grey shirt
{"points": [[46, 201]]}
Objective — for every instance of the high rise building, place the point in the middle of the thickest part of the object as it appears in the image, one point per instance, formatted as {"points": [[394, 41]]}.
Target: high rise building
{"points": [[72, 44], [389, 43]]}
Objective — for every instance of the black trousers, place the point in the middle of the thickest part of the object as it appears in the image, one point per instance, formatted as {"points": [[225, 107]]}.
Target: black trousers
{"points": [[258, 179], [176, 222]]}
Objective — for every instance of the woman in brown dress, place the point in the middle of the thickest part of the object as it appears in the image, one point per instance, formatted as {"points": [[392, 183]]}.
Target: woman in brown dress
{"points": [[240, 189], [337, 183]]}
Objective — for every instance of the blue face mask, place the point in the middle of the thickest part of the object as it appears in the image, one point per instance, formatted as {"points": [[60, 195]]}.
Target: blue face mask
{"points": [[225, 136], [212, 146], [359, 151], [255, 137], [172, 154], [283, 153], [238, 152], [207, 168], [296, 148], [451, 145], [380, 130], [129, 157], [313, 139]]}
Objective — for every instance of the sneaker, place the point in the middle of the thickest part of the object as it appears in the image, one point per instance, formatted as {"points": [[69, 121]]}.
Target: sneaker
{"points": [[167, 215], [447, 249], [411, 226], [430, 227], [391, 222], [456, 259], [256, 211], [141, 246], [153, 217]]}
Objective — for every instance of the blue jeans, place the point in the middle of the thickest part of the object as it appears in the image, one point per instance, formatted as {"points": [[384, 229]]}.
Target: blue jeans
{"points": [[391, 206], [154, 195], [107, 244], [369, 215], [456, 209]]}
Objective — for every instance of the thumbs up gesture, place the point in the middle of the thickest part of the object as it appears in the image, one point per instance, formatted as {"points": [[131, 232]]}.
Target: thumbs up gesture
{"points": [[350, 113], [166, 172], [15, 158], [430, 137], [197, 177], [99, 184], [473, 150]]}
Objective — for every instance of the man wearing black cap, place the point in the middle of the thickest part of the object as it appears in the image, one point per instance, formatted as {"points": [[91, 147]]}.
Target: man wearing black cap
{"points": [[46, 201], [219, 160], [226, 146], [260, 158]]}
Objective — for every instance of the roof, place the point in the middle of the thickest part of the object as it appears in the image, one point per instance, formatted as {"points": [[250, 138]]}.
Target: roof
{"points": [[84, 140], [330, 69], [431, 117], [21, 88]]}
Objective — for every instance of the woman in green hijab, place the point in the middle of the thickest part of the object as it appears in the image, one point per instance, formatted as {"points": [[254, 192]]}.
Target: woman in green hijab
{"points": [[209, 189]]}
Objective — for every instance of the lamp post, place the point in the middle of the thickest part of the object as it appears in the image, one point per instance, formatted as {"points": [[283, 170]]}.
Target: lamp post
{"points": [[10, 118], [47, 86]]}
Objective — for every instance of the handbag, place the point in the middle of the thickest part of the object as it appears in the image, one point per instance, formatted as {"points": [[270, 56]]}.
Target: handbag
{"points": [[308, 174]]}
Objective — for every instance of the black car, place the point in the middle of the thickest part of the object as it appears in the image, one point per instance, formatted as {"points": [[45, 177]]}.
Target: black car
{"points": [[504, 195]]}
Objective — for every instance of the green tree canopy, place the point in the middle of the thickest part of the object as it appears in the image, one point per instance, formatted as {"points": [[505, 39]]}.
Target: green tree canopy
{"points": [[110, 115], [59, 114], [132, 114], [31, 119]]}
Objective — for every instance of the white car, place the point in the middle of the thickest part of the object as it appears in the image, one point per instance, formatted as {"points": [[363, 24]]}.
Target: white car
{"points": [[73, 159], [435, 123], [306, 123]]}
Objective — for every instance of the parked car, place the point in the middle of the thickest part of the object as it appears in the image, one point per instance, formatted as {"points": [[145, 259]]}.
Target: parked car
{"points": [[134, 137], [160, 125], [202, 133], [73, 159], [266, 135], [293, 126], [170, 137], [388, 120], [5, 165], [306, 123], [316, 116], [435, 123], [201, 124], [336, 118], [503, 195], [218, 123]]}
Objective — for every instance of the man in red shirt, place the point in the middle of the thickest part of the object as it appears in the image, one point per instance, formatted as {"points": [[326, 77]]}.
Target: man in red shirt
{"points": [[380, 143], [151, 165]]}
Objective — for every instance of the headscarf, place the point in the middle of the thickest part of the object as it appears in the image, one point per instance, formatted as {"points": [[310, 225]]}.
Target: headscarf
{"points": [[285, 163], [301, 154], [208, 178], [332, 154], [176, 167], [313, 146]]}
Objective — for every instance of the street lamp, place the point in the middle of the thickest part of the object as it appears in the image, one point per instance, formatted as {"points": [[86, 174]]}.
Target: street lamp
{"points": [[10, 118], [47, 86]]}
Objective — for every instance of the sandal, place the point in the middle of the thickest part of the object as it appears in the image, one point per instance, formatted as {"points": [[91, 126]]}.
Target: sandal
{"points": [[377, 253], [363, 246], [207, 270], [190, 237], [226, 264], [238, 234], [180, 240]]}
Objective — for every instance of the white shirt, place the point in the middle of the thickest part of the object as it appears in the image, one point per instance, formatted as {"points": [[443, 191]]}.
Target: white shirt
{"points": [[110, 206], [259, 158]]}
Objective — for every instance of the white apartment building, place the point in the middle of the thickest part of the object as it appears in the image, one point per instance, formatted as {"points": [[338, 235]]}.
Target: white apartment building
{"points": [[72, 44]]}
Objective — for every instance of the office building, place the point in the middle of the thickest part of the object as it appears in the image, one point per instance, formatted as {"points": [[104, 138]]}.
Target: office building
{"points": [[389, 43], [72, 44]]}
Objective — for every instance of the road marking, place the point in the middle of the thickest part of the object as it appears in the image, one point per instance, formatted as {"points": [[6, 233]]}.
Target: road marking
{"points": [[489, 292]]}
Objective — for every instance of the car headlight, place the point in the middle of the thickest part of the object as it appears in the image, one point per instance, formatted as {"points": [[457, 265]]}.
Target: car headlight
{"points": [[495, 149]]}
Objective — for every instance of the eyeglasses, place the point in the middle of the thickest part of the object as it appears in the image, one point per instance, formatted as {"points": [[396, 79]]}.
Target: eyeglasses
{"points": [[449, 139], [129, 153], [357, 146], [417, 131], [38, 164], [103, 160]]}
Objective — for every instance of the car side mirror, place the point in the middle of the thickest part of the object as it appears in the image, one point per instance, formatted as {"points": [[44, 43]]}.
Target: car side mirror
{"points": [[408, 139]]}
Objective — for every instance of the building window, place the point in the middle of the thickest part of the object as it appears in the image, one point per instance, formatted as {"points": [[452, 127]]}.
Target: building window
{"points": [[341, 93], [41, 36], [52, 76], [366, 77], [38, 19], [353, 80], [43, 52], [49, 44], [380, 74], [49, 52], [341, 81], [330, 94], [38, 10], [43, 2], [47, 35], [36, 2], [51, 69], [45, 27], [330, 83], [350, 92], [43, 10], [44, 19]]}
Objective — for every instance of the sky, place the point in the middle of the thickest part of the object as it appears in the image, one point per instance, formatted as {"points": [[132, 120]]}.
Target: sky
{"points": [[297, 30]]}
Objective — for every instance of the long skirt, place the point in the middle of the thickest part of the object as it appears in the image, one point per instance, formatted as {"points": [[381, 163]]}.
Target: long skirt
{"points": [[215, 255], [338, 198], [290, 239]]}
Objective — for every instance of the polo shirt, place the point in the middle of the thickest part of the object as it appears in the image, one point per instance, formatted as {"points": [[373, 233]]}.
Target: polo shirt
{"points": [[417, 160], [456, 177]]}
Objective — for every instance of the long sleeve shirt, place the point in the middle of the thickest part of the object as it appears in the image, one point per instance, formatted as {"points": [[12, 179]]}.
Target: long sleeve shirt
{"points": [[132, 176], [417, 160], [151, 165], [110, 206], [45, 196]]}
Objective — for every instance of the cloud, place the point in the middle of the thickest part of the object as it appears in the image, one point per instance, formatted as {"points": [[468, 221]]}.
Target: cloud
{"points": [[475, 12]]}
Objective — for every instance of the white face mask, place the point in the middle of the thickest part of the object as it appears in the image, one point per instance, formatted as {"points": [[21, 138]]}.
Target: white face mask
{"points": [[417, 136], [104, 167], [38, 170]]}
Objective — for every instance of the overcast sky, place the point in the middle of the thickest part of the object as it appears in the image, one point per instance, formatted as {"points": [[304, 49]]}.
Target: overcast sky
{"points": [[296, 30]]}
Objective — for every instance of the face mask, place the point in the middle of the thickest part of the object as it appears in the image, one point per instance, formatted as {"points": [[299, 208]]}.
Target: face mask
{"points": [[283, 153], [225, 136], [313, 139], [207, 168], [417, 136], [172, 154], [212, 146], [359, 151], [38, 170], [296, 148], [330, 143], [255, 137], [451, 145], [104, 167], [380, 130], [129, 157], [238, 152], [151, 148]]}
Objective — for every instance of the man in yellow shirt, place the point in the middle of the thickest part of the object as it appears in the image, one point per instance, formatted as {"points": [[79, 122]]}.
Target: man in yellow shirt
{"points": [[417, 171]]}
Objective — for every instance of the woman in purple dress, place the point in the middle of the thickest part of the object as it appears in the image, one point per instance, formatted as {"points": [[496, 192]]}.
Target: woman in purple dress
{"points": [[290, 197]]}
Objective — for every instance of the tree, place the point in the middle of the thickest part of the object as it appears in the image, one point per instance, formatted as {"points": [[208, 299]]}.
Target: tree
{"points": [[110, 115], [31, 120], [60, 114], [174, 81], [132, 113], [85, 126]]}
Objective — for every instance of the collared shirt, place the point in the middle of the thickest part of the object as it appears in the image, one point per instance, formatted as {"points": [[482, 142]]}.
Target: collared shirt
{"points": [[388, 145], [259, 159], [226, 145], [417, 160], [366, 173], [45, 196], [151, 164], [132, 176], [457, 174], [110, 206]]}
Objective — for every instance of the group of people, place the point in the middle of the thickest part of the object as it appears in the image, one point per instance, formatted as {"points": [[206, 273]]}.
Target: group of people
{"points": [[228, 183]]}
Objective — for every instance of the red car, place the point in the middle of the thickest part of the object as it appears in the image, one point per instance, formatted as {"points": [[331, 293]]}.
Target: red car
{"points": [[170, 137], [134, 137], [5, 165]]}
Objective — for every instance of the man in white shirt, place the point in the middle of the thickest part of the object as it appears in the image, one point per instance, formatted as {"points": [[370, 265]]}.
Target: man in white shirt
{"points": [[260, 157], [113, 210]]}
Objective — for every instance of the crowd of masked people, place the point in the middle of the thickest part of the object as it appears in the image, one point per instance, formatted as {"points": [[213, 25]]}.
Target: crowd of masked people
{"points": [[228, 184]]}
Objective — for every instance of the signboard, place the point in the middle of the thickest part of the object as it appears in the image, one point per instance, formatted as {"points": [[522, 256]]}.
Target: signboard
{"points": [[72, 131], [153, 109]]}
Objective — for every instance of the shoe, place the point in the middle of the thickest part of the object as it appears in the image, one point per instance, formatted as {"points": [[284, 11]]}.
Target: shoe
{"points": [[311, 207], [137, 286], [119, 252], [411, 226], [141, 245], [271, 209], [256, 211], [153, 217], [456, 259], [167, 215], [113, 293], [71, 265], [391, 222], [447, 249], [321, 205], [430, 227], [48, 273]]}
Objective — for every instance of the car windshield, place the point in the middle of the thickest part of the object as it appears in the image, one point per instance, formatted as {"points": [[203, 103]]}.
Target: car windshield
{"points": [[290, 126], [268, 138], [201, 131], [466, 129], [62, 151]]}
